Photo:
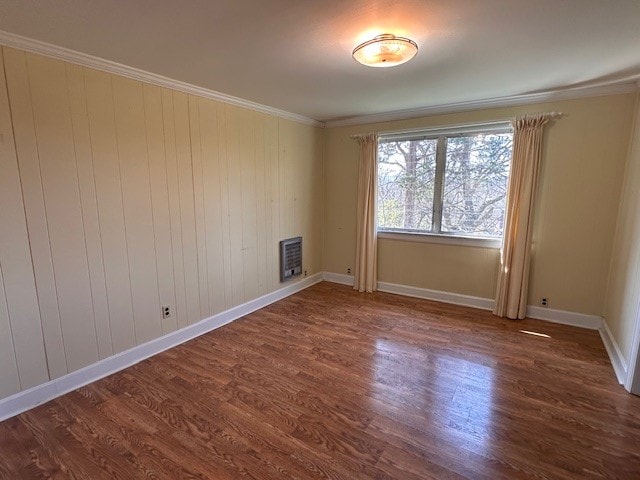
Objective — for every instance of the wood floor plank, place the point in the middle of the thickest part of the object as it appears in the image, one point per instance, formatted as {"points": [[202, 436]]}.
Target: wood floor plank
{"points": [[335, 384]]}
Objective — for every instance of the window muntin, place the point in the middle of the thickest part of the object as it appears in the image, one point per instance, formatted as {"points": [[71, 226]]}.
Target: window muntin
{"points": [[446, 183]]}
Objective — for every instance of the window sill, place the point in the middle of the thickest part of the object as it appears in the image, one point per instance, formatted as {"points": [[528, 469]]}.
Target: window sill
{"points": [[442, 239]]}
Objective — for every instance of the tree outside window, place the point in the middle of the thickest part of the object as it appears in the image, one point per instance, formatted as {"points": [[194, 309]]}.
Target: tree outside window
{"points": [[449, 184]]}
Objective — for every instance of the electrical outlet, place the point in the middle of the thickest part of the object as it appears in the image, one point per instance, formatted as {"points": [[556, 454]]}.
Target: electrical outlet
{"points": [[305, 273], [544, 302], [166, 311], [348, 271]]}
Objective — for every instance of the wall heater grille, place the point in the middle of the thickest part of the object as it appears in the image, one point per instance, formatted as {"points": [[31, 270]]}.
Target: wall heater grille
{"points": [[290, 258]]}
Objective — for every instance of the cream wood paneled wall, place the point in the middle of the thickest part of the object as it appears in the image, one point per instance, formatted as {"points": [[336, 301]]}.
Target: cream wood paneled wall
{"points": [[22, 355], [118, 197], [623, 293], [584, 158]]}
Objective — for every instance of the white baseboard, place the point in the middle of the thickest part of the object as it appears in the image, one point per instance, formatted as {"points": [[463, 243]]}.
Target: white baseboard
{"points": [[618, 361], [339, 278], [437, 295], [592, 322], [27, 399]]}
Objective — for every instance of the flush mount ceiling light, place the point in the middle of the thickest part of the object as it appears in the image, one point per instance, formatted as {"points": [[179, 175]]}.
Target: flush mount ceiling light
{"points": [[385, 51]]}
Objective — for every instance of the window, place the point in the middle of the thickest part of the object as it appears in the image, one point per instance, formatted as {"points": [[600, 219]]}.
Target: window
{"points": [[445, 182]]}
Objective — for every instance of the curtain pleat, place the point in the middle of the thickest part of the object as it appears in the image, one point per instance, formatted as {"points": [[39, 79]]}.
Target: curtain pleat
{"points": [[515, 255], [366, 242]]}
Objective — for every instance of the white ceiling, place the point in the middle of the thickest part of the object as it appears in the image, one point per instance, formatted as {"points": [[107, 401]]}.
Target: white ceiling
{"points": [[295, 55]]}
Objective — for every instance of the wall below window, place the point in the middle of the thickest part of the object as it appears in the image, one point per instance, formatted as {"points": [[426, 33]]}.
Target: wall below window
{"points": [[438, 267], [118, 197], [576, 208]]}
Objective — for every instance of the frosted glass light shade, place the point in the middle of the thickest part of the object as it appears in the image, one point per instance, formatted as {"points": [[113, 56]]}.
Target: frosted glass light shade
{"points": [[385, 51]]}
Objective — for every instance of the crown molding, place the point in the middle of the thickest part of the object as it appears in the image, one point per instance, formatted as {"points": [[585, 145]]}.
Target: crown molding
{"points": [[53, 51], [512, 101], [78, 58]]}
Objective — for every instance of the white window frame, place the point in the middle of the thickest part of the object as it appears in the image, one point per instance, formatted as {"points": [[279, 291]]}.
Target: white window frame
{"points": [[440, 134]]}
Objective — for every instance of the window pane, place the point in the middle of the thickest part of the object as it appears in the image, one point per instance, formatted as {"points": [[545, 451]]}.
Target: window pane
{"points": [[475, 184], [406, 171]]}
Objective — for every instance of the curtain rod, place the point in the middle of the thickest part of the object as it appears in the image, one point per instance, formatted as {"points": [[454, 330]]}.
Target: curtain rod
{"points": [[547, 114], [459, 125], [360, 135]]}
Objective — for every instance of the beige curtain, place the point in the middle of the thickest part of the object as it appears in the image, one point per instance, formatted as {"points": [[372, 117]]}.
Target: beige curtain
{"points": [[513, 278], [366, 247]]}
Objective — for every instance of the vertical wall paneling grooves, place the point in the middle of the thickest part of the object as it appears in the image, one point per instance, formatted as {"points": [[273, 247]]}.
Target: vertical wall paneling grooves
{"points": [[18, 283], [89, 208], [261, 201], [8, 366], [34, 207], [104, 148], [138, 215], [212, 208], [223, 163], [187, 206], [273, 214], [284, 231], [119, 197], [290, 168], [235, 204], [295, 168], [175, 221], [302, 200], [156, 144], [56, 149], [8, 193], [248, 190], [198, 197]]}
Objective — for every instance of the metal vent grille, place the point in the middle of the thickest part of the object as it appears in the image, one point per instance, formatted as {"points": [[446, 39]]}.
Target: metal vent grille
{"points": [[290, 258]]}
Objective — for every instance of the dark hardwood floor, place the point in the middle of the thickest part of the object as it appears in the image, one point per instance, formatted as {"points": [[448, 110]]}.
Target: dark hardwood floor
{"points": [[330, 383]]}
